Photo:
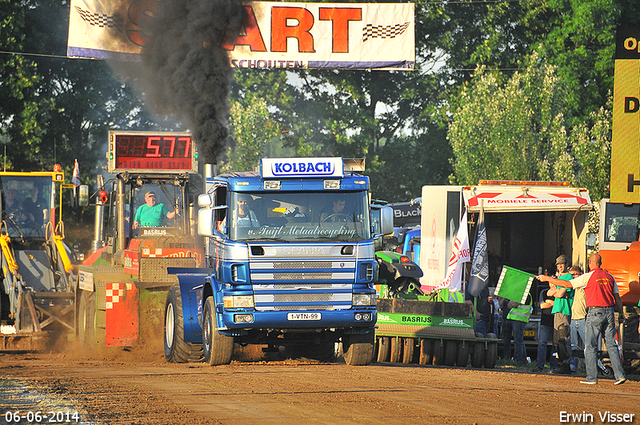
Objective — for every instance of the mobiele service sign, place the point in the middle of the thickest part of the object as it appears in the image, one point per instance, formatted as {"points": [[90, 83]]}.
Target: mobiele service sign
{"points": [[277, 35]]}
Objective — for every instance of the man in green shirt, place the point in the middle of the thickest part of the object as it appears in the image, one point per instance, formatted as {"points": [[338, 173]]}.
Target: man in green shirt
{"points": [[562, 316], [151, 214]]}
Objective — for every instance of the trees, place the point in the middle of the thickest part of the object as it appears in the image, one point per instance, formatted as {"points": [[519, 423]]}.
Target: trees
{"points": [[516, 130]]}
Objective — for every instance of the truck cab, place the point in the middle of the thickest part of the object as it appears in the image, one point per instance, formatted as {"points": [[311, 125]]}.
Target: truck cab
{"points": [[290, 259]]}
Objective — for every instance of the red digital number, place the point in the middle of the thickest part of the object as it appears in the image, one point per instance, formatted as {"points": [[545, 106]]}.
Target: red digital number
{"points": [[183, 143], [153, 149], [168, 145]]}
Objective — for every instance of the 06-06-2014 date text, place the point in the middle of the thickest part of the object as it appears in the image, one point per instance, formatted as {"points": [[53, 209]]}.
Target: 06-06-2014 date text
{"points": [[39, 417]]}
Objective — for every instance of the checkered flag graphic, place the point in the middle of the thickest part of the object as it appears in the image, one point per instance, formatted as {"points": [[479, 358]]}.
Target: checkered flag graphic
{"points": [[99, 19], [383, 31]]}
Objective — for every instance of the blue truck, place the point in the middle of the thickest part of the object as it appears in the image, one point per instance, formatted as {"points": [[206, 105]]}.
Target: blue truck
{"points": [[289, 263]]}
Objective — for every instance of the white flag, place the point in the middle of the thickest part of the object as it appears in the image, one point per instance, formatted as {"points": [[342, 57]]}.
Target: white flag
{"points": [[460, 254], [76, 174]]}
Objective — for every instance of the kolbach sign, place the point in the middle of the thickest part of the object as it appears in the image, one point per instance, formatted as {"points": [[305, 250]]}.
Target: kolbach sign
{"points": [[301, 167], [277, 35], [625, 162]]}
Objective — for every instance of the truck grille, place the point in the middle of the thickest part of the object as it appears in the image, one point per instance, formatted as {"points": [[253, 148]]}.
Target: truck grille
{"points": [[286, 278], [302, 265], [301, 276]]}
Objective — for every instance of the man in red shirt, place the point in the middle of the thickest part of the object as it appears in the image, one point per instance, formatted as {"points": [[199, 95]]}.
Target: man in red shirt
{"points": [[601, 294]]}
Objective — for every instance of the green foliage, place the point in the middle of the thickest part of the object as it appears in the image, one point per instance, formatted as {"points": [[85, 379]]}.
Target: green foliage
{"points": [[509, 130], [252, 129], [515, 130]]}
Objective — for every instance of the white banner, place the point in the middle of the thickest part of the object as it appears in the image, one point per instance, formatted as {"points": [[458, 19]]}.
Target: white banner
{"points": [[277, 35], [460, 254]]}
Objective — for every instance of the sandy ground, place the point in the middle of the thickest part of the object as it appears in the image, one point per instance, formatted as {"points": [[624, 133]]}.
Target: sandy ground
{"points": [[136, 387]]}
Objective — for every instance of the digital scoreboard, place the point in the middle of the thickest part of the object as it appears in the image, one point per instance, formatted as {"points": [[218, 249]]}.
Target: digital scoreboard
{"points": [[151, 152]]}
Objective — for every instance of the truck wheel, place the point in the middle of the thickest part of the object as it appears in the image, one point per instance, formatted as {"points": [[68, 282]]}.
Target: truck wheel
{"points": [[407, 349], [87, 318], [176, 350], [450, 352], [426, 351], [396, 350], [218, 348], [384, 349], [358, 348], [438, 352], [477, 357], [491, 354], [462, 359]]}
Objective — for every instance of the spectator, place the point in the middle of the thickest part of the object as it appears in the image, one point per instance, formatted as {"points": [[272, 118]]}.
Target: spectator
{"points": [[562, 316], [578, 318], [601, 295], [515, 317], [545, 332]]}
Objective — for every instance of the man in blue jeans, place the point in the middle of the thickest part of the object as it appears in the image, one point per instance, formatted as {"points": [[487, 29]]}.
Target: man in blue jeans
{"points": [[545, 333], [601, 297]]}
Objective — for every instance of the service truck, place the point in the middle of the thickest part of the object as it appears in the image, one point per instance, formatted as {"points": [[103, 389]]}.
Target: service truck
{"points": [[528, 225], [123, 283], [37, 293], [297, 271], [619, 247]]}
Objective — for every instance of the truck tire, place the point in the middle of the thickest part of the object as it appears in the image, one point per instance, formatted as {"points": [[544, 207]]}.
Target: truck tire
{"points": [[384, 349], [491, 353], [87, 318], [176, 350], [218, 348], [358, 348], [396, 350], [426, 351], [462, 359], [438, 352], [450, 352], [477, 357], [408, 349]]}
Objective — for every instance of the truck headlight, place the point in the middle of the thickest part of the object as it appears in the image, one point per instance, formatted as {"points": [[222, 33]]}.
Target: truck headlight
{"points": [[238, 301], [364, 299]]}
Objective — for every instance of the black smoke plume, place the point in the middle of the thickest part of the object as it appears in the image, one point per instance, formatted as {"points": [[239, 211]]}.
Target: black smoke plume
{"points": [[187, 70]]}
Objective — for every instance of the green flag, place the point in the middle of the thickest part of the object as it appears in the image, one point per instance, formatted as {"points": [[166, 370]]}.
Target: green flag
{"points": [[514, 284]]}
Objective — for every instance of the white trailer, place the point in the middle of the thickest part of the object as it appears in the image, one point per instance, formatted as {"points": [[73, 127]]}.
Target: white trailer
{"points": [[528, 225]]}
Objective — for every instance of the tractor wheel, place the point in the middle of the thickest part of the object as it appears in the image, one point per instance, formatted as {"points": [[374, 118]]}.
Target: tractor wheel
{"points": [[450, 352], [491, 354], [426, 351], [358, 348], [477, 357], [87, 318], [384, 349], [218, 348], [396, 350], [462, 359], [438, 352], [407, 349], [176, 350]]}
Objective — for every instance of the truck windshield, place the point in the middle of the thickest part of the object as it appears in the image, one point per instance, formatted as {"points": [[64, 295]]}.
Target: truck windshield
{"points": [[299, 216], [26, 204], [621, 222]]}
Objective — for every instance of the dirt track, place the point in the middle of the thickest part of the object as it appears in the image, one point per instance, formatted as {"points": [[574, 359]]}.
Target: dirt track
{"points": [[135, 388]]}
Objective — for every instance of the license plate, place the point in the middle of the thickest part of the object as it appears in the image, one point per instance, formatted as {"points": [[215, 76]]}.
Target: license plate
{"points": [[304, 316], [529, 333]]}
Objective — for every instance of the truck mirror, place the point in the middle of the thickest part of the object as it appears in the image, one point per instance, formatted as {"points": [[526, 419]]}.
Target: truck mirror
{"points": [[205, 221], [83, 195], [386, 220], [204, 200], [591, 240]]}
